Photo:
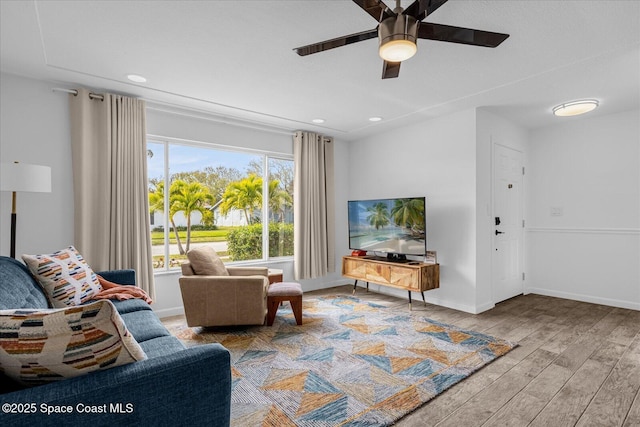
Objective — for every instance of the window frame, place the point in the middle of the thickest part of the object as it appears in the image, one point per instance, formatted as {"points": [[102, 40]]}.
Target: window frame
{"points": [[265, 156]]}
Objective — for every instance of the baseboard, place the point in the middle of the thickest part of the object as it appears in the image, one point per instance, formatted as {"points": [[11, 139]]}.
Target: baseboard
{"points": [[585, 298], [416, 298], [168, 312], [484, 307]]}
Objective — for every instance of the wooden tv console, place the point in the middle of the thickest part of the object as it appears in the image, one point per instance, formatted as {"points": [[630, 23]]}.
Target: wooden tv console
{"points": [[412, 276]]}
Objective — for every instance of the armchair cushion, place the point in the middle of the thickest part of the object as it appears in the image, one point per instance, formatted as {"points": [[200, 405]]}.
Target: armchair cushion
{"points": [[206, 262]]}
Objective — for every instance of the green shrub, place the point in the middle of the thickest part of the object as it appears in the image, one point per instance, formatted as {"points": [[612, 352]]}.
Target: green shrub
{"points": [[280, 239], [245, 243]]}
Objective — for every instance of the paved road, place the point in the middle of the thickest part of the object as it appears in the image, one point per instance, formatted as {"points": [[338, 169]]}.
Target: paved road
{"points": [[173, 249]]}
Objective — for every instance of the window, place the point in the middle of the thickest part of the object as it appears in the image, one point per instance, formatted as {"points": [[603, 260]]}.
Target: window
{"points": [[215, 197]]}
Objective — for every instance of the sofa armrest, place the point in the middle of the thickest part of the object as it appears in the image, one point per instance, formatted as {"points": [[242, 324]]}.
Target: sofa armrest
{"points": [[248, 271], [121, 277], [195, 385]]}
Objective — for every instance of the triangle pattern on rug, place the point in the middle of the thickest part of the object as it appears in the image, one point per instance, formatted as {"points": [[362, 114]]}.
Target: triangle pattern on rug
{"points": [[343, 335], [323, 355], [335, 410], [294, 382], [402, 401], [252, 355]]}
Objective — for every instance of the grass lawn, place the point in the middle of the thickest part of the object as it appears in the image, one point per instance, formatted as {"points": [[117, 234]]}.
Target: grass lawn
{"points": [[220, 235]]}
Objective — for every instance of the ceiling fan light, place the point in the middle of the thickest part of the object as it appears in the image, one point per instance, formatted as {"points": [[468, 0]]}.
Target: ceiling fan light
{"points": [[397, 50], [575, 108], [398, 35]]}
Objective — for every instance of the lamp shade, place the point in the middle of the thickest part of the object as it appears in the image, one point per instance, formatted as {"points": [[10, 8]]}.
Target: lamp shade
{"points": [[25, 177]]}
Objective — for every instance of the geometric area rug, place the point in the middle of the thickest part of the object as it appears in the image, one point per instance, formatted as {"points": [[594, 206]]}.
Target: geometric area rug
{"points": [[351, 363]]}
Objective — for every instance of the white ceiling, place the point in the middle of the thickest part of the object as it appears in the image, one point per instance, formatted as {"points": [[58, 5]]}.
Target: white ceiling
{"points": [[235, 58]]}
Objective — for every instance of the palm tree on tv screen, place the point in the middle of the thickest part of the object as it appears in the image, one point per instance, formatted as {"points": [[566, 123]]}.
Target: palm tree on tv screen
{"points": [[379, 216], [409, 213]]}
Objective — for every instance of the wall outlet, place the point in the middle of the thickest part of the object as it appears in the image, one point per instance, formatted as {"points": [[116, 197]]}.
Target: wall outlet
{"points": [[556, 211]]}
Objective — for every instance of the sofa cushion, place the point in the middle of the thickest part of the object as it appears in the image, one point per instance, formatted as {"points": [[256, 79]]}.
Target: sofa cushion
{"points": [[129, 305], [161, 346], [65, 276], [42, 346], [18, 289], [206, 262], [144, 325]]}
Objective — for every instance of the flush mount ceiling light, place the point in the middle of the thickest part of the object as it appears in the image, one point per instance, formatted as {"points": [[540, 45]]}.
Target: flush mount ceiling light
{"points": [[136, 78], [575, 108], [375, 119], [318, 121]]}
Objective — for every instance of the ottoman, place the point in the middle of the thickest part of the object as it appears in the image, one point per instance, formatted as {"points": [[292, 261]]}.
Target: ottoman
{"points": [[284, 291]]}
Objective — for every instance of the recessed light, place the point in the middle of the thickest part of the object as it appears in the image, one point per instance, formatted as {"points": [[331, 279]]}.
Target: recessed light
{"points": [[575, 108], [318, 121], [375, 119], [136, 78]]}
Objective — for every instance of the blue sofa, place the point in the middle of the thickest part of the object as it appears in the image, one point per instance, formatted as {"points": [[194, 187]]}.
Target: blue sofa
{"points": [[174, 386]]}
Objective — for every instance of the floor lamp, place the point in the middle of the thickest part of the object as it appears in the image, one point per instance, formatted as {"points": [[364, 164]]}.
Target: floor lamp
{"points": [[17, 177]]}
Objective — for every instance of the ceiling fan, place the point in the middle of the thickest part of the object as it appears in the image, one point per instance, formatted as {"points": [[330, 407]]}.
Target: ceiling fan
{"points": [[399, 29]]}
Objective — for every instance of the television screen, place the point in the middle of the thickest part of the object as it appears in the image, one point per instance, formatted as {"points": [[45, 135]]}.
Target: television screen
{"points": [[394, 226]]}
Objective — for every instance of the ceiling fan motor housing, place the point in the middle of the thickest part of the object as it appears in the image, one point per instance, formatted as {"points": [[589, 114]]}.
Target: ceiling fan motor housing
{"points": [[399, 27]]}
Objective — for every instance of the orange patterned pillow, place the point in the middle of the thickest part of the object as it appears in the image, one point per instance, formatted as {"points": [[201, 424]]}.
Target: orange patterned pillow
{"points": [[65, 276], [41, 346]]}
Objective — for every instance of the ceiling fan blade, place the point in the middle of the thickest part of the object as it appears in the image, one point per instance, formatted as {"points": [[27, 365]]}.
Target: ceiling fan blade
{"points": [[337, 42], [376, 8], [390, 70], [447, 33], [420, 9]]}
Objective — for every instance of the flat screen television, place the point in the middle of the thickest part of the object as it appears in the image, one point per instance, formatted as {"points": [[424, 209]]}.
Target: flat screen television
{"points": [[396, 227]]}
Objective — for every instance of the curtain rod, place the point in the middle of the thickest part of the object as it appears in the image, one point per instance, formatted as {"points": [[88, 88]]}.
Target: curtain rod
{"points": [[74, 92], [213, 117]]}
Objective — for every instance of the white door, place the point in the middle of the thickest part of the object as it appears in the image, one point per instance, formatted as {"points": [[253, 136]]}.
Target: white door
{"points": [[508, 233]]}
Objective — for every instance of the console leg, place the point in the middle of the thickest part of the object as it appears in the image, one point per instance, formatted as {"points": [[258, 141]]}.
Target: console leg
{"points": [[409, 292], [423, 300], [354, 287], [367, 286]]}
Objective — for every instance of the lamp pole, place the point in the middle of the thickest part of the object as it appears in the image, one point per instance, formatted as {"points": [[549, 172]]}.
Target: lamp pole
{"points": [[14, 218]]}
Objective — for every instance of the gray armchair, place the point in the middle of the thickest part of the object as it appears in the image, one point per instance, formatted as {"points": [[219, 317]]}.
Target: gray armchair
{"points": [[237, 299]]}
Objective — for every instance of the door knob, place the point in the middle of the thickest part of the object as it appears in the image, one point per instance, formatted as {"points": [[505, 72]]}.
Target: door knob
{"points": [[499, 232]]}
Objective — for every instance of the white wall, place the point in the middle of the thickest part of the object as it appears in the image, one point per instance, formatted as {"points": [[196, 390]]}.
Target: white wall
{"points": [[436, 159], [34, 128], [590, 170]]}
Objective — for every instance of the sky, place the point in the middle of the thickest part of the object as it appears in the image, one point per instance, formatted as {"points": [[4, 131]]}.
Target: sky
{"points": [[188, 158]]}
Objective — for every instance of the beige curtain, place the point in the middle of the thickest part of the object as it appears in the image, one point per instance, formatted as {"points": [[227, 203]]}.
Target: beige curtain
{"points": [[313, 205], [108, 147]]}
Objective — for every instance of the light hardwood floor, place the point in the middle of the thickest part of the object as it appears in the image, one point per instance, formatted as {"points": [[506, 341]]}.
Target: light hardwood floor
{"points": [[577, 364]]}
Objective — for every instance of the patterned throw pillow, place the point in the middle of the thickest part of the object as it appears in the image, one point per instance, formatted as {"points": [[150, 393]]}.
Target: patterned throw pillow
{"points": [[42, 346], [65, 276]]}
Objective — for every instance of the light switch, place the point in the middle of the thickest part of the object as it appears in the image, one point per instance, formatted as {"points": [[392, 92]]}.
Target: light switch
{"points": [[556, 211]]}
